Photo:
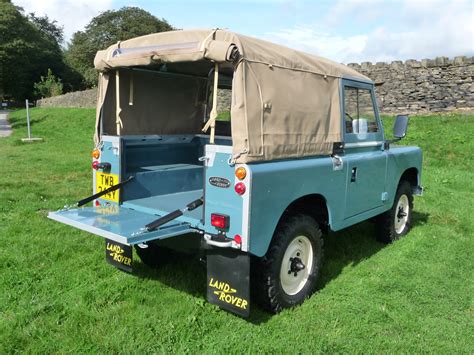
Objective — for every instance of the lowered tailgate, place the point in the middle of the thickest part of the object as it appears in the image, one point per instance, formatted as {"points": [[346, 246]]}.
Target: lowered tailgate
{"points": [[120, 224]]}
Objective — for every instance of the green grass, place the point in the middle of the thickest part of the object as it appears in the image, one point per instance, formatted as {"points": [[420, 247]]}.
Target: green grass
{"points": [[57, 294]]}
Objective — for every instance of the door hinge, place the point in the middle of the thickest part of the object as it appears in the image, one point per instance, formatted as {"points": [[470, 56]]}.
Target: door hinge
{"points": [[337, 163]]}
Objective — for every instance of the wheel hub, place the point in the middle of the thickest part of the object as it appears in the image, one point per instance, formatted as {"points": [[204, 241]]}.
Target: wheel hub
{"points": [[296, 266], [401, 213]]}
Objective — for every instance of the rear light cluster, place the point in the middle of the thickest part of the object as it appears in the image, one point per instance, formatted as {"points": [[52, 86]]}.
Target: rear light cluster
{"points": [[220, 221], [95, 155], [240, 173]]}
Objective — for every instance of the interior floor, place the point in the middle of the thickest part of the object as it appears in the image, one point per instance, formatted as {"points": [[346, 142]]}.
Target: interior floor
{"points": [[163, 204]]}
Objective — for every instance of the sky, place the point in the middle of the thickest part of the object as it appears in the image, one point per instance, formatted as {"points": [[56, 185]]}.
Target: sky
{"points": [[342, 30]]}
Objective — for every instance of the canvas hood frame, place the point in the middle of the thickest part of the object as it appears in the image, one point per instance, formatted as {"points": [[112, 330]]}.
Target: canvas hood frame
{"points": [[285, 103]]}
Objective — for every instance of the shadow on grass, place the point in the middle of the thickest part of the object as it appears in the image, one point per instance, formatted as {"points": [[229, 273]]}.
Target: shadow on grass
{"points": [[342, 249], [20, 122]]}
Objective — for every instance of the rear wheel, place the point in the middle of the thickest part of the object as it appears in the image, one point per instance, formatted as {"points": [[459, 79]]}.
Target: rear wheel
{"points": [[288, 273], [396, 222]]}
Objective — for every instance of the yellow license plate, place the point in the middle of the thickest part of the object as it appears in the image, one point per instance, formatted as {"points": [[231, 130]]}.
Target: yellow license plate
{"points": [[103, 181]]}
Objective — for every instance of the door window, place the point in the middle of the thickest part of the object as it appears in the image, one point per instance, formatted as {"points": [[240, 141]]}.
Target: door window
{"points": [[359, 111]]}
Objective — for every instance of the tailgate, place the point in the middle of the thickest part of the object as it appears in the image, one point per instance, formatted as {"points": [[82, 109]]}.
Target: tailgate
{"points": [[123, 225]]}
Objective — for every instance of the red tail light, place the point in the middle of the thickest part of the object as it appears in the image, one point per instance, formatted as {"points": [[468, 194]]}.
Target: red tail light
{"points": [[220, 221], [240, 188], [94, 165]]}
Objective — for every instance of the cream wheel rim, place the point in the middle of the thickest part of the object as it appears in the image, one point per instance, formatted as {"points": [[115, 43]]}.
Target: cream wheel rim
{"points": [[401, 214], [296, 265]]}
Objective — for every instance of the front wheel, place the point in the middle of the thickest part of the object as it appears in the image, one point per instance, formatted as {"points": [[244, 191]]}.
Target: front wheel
{"points": [[396, 222], [288, 273]]}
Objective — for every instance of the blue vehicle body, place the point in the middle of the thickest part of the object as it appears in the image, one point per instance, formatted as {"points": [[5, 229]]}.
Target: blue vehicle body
{"points": [[170, 171], [359, 181]]}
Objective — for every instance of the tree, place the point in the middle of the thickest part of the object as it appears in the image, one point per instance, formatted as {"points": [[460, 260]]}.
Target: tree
{"points": [[48, 28], [106, 29], [26, 51]]}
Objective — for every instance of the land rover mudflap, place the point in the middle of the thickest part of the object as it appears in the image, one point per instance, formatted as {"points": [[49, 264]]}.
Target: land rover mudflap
{"points": [[228, 280]]}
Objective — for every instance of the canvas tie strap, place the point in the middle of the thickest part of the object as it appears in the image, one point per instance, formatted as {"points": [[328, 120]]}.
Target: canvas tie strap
{"points": [[211, 122]]}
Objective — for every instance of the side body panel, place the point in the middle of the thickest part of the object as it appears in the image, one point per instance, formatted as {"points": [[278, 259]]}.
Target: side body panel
{"points": [[276, 185], [399, 160]]}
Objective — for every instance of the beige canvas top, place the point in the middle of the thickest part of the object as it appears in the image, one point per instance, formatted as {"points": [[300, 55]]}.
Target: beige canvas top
{"points": [[285, 103]]}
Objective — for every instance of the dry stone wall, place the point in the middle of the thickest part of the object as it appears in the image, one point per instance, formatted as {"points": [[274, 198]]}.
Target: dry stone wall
{"points": [[429, 85], [88, 99], [81, 99]]}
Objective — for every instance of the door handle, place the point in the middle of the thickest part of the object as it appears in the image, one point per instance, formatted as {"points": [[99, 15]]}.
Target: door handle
{"points": [[354, 174]]}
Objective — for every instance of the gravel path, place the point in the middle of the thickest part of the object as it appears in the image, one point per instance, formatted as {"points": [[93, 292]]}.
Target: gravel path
{"points": [[5, 128]]}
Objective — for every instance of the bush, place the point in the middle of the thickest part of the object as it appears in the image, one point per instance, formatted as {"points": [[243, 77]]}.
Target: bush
{"points": [[48, 86]]}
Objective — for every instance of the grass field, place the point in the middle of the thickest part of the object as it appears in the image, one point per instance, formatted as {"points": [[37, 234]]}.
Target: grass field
{"points": [[57, 294]]}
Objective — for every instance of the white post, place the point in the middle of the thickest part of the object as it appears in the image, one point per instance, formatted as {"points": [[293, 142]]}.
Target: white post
{"points": [[28, 118], [118, 109]]}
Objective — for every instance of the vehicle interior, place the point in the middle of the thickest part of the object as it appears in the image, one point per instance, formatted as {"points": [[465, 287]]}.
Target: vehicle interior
{"points": [[168, 173]]}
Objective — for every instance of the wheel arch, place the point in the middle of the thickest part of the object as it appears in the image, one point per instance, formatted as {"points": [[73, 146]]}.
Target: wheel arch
{"points": [[314, 205], [410, 175]]}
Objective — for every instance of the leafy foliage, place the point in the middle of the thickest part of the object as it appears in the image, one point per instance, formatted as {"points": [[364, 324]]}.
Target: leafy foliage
{"points": [[106, 29], [49, 86], [29, 46], [48, 28]]}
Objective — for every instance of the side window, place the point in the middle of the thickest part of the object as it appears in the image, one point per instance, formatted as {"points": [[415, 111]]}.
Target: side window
{"points": [[224, 98], [359, 111]]}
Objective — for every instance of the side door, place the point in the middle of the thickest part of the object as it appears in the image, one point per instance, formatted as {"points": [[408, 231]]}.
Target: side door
{"points": [[364, 149]]}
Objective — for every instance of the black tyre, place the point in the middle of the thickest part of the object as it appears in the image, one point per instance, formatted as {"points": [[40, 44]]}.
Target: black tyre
{"points": [[396, 222], [155, 255], [288, 273]]}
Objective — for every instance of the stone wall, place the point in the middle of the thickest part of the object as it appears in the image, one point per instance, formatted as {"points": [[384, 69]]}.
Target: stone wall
{"points": [[88, 99], [437, 85], [83, 99]]}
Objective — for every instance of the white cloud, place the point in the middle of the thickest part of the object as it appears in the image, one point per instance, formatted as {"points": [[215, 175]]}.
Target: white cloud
{"points": [[393, 31], [320, 41], [73, 15]]}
